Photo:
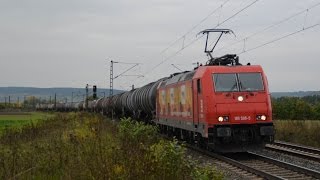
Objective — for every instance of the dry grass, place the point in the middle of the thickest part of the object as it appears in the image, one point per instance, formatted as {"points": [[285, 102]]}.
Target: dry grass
{"points": [[87, 146], [306, 132]]}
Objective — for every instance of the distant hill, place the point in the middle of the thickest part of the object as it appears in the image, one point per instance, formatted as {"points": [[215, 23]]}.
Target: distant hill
{"points": [[64, 94], [45, 93], [295, 94]]}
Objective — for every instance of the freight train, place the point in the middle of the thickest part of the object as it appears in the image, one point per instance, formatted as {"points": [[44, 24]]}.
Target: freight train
{"points": [[222, 105]]}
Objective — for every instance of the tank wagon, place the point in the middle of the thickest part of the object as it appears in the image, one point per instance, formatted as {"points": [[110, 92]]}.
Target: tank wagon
{"points": [[139, 103]]}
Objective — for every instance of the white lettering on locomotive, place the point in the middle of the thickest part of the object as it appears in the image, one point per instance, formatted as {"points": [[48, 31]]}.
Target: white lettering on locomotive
{"points": [[201, 106], [242, 118]]}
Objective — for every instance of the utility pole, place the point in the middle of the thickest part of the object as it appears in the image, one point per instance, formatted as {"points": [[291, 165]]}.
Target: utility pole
{"points": [[111, 78], [9, 101], [94, 90], [87, 93], [121, 74], [24, 101], [55, 101], [111, 86], [72, 98], [33, 102]]}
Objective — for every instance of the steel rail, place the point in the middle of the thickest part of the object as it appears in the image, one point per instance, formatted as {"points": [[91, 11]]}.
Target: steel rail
{"points": [[286, 165], [299, 147], [235, 163], [295, 150]]}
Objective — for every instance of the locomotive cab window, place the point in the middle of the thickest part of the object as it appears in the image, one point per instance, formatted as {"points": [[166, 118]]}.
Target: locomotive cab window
{"points": [[225, 82], [233, 82], [250, 82]]}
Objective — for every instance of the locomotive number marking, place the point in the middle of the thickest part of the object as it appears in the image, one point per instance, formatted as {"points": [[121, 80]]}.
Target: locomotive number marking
{"points": [[242, 118], [201, 105]]}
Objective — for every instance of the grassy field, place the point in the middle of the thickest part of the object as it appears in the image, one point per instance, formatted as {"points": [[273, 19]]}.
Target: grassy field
{"points": [[17, 120], [305, 132], [88, 146]]}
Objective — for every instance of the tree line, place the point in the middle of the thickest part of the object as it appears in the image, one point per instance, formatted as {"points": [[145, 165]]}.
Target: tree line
{"points": [[31, 102], [291, 108], [297, 108]]}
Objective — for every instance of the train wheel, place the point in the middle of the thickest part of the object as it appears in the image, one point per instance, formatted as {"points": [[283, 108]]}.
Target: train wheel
{"points": [[169, 131], [191, 137]]}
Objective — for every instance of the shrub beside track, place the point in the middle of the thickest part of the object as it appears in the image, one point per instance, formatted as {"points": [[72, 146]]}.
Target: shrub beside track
{"points": [[87, 146]]}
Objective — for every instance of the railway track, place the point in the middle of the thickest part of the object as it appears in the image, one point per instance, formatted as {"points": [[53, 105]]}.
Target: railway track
{"points": [[258, 166], [304, 152], [279, 169]]}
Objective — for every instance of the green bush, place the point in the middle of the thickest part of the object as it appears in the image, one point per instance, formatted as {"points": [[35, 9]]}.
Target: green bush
{"points": [[296, 108], [133, 132]]}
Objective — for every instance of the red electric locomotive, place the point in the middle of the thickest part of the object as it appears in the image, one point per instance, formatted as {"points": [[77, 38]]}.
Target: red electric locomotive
{"points": [[222, 105]]}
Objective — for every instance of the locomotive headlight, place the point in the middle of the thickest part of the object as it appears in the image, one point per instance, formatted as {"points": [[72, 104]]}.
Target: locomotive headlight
{"points": [[240, 98], [261, 117], [223, 118]]}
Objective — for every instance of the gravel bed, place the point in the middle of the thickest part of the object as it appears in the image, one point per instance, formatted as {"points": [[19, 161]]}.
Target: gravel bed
{"points": [[220, 166], [290, 159]]}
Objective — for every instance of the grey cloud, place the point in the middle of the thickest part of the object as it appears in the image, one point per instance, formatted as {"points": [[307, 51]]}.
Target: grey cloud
{"points": [[70, 43]]}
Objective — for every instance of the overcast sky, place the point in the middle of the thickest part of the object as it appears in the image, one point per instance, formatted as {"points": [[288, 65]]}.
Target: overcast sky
{"points": [[69, 43]]}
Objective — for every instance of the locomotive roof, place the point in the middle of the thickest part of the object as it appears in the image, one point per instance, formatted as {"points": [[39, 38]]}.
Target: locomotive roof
{"points": [[183, 76], [201, 70], [226, 69]]}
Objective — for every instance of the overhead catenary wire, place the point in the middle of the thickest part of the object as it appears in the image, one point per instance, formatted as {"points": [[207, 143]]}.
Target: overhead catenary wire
{"points": [[244, 40], [176, 53], [238, 12], [273, 25], [254, 34], [279, 38], [199, 37], [125, 62], [176, 67], [195, 26], [126, 71], [224, 21]]}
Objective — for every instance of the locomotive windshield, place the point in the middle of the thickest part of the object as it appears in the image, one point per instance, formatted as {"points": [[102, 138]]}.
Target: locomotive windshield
{"points": [[225, 82], [250, 82], [231, 82]]}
